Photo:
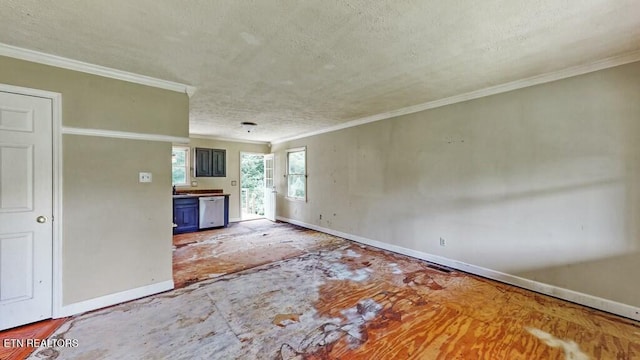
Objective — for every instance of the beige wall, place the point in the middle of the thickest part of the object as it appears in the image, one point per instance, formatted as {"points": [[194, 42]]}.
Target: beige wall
{"points": [[233, 169], [540, 182], [116, 231]]}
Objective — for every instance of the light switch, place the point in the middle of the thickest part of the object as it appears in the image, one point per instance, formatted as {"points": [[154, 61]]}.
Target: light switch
{"points": [[145, 177]]}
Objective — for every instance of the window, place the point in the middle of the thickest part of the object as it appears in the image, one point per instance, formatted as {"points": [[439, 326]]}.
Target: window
{"points": [[180, 165], [297, 173]]}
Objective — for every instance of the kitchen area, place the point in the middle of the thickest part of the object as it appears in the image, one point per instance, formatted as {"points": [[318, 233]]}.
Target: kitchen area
{"points": [[206, 179], [207, 199], [200, 209]]}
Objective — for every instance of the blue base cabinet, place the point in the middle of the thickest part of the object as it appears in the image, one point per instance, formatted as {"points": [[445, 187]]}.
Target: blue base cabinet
{"points": [[226, 211], [185, 215]]}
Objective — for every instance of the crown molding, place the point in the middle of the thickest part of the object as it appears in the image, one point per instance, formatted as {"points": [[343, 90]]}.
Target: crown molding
{"points": [[217, 138], [67, 130], [492, 90], [70, 64]]}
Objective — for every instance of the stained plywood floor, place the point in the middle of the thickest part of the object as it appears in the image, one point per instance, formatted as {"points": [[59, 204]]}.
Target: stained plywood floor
{"points": [[244, 245], [457, 316], [274, 291], [10, 350]]}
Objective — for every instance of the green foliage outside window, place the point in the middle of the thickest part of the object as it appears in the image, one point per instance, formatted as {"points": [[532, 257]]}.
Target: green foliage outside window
{"points": [[179, 165], [296, 174], [252, 180]]}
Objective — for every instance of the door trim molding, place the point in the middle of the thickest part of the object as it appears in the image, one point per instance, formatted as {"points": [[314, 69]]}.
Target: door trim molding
{"points": [[274, 195], [56, 154], [599, 303]]}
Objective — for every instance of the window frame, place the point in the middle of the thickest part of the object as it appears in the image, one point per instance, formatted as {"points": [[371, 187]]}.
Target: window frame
{"points": [[304, 175], [187, 165]]}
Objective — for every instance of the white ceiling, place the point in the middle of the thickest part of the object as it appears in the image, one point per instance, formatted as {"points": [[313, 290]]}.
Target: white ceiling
{"points": [[296, 67]]}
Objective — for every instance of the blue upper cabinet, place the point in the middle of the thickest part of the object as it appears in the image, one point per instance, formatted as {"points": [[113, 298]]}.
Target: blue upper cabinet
{"points": [[203, 162], [219, 163], [210, 162]]}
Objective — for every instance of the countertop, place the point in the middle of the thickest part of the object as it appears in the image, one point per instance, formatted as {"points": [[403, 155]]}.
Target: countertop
{"points": [[188, 195]]}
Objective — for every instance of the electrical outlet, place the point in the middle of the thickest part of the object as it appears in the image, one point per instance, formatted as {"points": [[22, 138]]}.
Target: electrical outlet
{"points": [[443, 242], [144, 177]]}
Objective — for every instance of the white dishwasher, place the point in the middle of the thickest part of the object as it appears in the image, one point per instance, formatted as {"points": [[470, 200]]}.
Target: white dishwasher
{"points": [[211, 212]]}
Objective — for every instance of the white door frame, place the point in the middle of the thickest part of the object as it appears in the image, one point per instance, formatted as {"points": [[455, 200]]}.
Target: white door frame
{"points": [[56, 153], [271, 192]]}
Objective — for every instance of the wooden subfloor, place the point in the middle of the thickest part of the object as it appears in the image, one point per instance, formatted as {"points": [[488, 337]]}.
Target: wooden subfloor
{"points": [[212, 253], [285, 292], [425, 311], [10, 350]]}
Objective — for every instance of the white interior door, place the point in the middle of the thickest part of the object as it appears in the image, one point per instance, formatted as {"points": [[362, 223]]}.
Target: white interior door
{"points": [[26, 207], [269, 189]]}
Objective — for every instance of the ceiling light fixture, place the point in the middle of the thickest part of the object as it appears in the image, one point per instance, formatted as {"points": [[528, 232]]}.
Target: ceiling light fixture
{"points": [[248, 126]]}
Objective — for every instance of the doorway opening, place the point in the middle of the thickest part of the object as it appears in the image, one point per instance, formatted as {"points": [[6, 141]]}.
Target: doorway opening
{"points": [[251, 186]]}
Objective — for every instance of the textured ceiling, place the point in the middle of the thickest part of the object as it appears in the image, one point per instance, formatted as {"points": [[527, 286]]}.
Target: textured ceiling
{"points": [[300, 66]]}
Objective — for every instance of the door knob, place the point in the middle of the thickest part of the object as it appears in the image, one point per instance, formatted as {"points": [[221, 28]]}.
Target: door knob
{"points": [[41, 219]]}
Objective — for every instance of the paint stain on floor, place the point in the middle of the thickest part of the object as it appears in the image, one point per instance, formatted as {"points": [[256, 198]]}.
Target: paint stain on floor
{"points": [[283, 320], [570, 348], [202, 255], [319, 305]]}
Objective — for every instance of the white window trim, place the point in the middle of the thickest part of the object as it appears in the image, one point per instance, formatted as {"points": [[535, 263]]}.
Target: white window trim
{"points": [[187, 165], [306, 172]]}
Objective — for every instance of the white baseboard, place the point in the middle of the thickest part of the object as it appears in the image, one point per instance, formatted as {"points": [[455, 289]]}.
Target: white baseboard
{"points": [[235, 220], [595, 302], [112, 299]]}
